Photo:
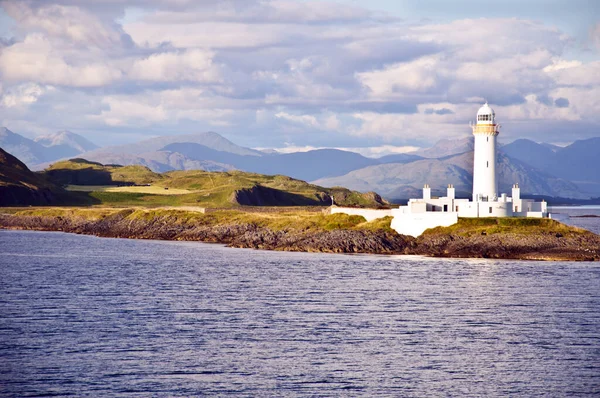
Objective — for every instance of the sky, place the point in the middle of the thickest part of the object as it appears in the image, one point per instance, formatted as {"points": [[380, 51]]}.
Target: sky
{"points": [[378, 76]]}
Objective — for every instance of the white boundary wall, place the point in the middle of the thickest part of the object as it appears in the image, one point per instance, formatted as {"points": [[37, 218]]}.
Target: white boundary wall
{"points": [[368, 214], [414, 224]]}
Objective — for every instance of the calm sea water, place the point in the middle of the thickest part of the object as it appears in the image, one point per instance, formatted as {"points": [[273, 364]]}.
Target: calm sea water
{"points": [[86, 316], [587, 217]]}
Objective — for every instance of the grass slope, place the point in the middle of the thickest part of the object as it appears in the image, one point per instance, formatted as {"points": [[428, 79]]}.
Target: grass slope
{"points": [[283, 220], [84, 172], [493, 226], [196, 187]]}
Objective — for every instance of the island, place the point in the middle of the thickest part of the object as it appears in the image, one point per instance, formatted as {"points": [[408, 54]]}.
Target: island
{"points": [[247, 210]]}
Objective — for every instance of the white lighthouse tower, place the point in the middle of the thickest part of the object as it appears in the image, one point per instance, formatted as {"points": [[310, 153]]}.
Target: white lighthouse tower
{"points": [[485, 184], [427, 212]]}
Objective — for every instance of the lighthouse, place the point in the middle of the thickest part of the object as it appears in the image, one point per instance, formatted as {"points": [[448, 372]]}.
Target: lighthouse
{"points": [[485, 184], [429, 211]]}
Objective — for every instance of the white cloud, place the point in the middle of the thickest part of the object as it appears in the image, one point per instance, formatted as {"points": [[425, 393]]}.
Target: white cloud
{"points": [[559, 63], [281, 11], [162, 108], [415, 76], [67, 22], [576, 73], [209, 34], [402, 127], [283, 68], [307, 120], [372, 152], [36, 60], [24, 94], [192, 65], [129, 112]]}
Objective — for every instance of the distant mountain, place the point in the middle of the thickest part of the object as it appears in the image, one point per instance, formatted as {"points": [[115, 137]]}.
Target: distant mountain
{"points": [[447, 147], [552, 147], [29, 151], [399, 158], [578, 162], [209, 139], [44, 149], [64, 144], [160, 161], [532, 153], [397, 180], [302, 165], [394, 180]]}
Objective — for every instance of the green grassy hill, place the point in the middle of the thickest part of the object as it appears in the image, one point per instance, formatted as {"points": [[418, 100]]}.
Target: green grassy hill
{"points": [[196, 187], [84, 172]]}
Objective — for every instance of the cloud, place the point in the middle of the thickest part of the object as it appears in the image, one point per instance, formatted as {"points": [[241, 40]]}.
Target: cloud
{"points": [[275, 11], [162, 108], [401, 78], [24, 94], [372, 152], [561, 102], [67, 22], [35, 59], [193, 65], [282, 70], [307, 120]]}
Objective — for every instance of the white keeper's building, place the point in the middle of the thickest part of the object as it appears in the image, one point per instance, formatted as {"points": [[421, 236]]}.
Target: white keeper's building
{"points": [[429, 212]]}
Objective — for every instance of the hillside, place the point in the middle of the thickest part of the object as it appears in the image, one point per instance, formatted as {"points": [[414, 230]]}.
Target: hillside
{"points": [[308, 165], [83, 172], [20, 186], [576, 162], [139, 186], [447, 147]]}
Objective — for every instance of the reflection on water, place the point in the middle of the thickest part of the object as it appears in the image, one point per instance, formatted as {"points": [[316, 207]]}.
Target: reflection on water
{"points": [[82, 315]]}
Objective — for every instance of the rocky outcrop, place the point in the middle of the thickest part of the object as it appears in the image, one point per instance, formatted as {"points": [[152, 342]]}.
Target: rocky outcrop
{"points": [[538, 244], [245, 235]]}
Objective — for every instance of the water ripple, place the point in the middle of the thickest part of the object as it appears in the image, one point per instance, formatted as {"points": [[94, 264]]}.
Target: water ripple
{"points": [[86, 316]]}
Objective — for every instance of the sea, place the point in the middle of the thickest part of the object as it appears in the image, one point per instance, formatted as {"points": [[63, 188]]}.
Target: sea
{"points": [[87, 316]]}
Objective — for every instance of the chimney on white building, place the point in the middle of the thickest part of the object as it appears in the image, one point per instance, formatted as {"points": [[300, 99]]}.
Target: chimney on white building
{"points": [[451, 194], [516, 192], [426, 192]]}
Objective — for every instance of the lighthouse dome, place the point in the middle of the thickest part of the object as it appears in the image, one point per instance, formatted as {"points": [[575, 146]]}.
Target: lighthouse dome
{"points": [[486, 115]]}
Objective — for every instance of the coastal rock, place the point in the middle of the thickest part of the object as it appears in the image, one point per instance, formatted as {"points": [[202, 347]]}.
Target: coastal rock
{"points": [[550, 241]]}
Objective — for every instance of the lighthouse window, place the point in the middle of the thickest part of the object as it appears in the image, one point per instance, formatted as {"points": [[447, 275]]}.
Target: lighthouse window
{"points": [[487, 164], [490, 210]]}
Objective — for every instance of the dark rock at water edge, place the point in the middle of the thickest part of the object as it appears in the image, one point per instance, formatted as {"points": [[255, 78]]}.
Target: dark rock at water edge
{"points": [[580, 246]]}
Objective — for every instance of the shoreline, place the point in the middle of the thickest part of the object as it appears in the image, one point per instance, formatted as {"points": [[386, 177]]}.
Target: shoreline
{"points": [[546, 240]]}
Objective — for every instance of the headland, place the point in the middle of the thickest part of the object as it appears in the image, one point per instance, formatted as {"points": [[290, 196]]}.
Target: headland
{"points": [[312, 230]]}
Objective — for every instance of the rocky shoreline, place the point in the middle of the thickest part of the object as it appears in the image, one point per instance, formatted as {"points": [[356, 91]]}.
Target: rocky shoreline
{"points": [[571, 245]]}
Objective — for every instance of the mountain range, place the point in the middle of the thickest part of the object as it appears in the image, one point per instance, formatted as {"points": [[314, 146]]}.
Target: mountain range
{"points": [[540, 168], [47, 148]]}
